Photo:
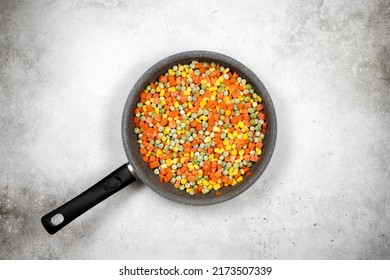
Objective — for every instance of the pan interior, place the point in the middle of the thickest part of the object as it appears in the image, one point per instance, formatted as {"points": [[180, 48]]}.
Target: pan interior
{"points": [[142, 170]]}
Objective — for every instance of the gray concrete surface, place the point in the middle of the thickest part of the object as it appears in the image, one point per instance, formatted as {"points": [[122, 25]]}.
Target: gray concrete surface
{"points": [[66, 68]]}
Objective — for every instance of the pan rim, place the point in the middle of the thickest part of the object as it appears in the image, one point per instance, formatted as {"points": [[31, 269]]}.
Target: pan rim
{"points": [[146, 78]]}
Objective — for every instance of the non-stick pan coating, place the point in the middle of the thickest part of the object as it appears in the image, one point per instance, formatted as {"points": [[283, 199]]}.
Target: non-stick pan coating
{"points": [[131, 146]]}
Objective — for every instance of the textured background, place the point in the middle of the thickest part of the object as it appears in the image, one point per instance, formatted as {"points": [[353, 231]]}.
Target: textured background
{"points": [[66, 68]]}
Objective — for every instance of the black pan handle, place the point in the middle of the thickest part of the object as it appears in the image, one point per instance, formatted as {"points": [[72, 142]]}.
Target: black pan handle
{"points": [[63, 215]]}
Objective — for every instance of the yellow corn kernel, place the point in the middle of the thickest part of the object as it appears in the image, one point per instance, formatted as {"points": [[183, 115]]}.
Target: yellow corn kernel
{"points": [[163, 102], [168, 162], [226, 70], [258, 151], [182, 159], [206, 183], [156, 111], [186, 93], [147, 102], [183, 181], [228, 147], [163, 166], [217, 150], [202, 103], [245, 129], [203, 82], [244, 136], [171, 72], [230, 136], [225, 142], [234, 182], [259, 99], [176, 104], [175, 149], [241, 124], [158, 89], [190, 105], [183, 74], [241, 152], [234, 153], [228, 112], [172, 89]]}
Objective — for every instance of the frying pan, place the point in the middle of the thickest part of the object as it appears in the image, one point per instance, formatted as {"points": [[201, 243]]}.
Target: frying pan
{"points": [[137, 169]]}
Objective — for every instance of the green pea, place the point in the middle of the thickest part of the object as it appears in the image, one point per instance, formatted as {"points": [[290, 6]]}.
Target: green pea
{"points": [[262, 136], [137, 130]]}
